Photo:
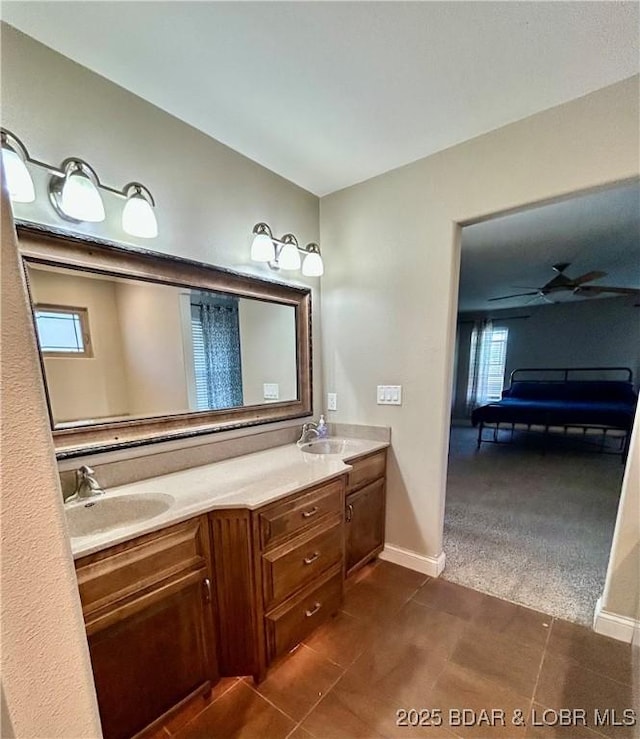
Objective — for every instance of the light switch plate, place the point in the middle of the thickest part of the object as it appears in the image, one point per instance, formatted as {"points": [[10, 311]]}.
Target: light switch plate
{"points": [[389, 394], [271, 391], [332, 401]]}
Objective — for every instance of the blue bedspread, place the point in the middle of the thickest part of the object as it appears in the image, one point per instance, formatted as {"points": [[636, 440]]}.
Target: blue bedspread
{"points": [[604, 403]]}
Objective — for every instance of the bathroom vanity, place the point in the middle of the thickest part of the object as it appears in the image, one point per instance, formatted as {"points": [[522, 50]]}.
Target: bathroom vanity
{"points": [[246, 563], [217, 568]]}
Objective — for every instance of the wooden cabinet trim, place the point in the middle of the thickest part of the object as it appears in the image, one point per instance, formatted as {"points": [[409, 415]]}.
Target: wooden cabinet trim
{"points": [[298, 616], [296, 563], [111, 577], [281, 520], [366, 468]]}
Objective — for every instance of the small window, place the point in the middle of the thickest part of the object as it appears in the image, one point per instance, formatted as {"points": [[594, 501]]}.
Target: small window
{"points": [[63, 331]]}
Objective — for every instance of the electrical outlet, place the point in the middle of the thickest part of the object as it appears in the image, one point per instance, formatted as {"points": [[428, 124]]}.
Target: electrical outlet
{"points": [[332, 401]]}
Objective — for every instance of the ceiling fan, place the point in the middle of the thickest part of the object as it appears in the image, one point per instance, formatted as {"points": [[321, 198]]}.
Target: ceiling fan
{"points": [[577, 286]]}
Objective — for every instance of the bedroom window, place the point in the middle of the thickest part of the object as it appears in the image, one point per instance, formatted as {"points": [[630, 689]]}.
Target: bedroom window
{"points": [[487, 361]]}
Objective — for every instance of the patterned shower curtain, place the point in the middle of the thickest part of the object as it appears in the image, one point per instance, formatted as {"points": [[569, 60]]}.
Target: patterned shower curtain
{"points": [[219, 319]]}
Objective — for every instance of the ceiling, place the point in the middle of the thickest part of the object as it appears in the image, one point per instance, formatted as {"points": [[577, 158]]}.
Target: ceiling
{"points": [[328, 94], [599, 231]]}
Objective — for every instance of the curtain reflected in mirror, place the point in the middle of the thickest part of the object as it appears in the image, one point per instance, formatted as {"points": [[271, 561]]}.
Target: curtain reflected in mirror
{"points": [[215, 331]]}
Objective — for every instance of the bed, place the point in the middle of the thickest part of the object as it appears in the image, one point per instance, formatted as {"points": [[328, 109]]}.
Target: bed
{"points": [[594, 404]]}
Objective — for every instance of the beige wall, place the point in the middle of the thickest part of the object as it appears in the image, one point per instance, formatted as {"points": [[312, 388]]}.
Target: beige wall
{"points": [[46, 674], [208, 197], [85, 387], [391, 248], [268, 349], [151, 324]]}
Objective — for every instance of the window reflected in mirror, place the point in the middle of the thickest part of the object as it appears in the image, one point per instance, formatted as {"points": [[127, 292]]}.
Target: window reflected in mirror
{"points": [[123, 348]]}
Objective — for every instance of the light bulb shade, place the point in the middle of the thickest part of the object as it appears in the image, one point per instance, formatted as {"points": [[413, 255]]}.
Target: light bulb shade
{"points": [[312, 265], [138, 218], [19, 182], [80, 199], [262, 248], [289, 257]]}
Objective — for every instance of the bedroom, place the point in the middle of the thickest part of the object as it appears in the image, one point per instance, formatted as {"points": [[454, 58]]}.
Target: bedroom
{"points": [[543, 504]]}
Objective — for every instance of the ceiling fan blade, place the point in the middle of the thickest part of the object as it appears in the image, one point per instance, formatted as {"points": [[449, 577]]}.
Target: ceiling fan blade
{"points": [[597, 289], [517, 295], [589, 276], [558, 282]]}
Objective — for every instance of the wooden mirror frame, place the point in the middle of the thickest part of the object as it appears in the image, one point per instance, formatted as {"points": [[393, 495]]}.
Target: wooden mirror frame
{"points": [[48, 246]]}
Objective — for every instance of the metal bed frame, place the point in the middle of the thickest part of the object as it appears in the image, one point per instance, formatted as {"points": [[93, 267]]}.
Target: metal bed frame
{"points": [[573, 431]]}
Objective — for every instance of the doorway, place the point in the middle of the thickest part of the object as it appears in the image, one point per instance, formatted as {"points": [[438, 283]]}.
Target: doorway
{"points": [[530, 519]]}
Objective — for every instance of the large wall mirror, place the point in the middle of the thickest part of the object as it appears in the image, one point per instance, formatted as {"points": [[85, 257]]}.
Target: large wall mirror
{"points": [[138, 347]]}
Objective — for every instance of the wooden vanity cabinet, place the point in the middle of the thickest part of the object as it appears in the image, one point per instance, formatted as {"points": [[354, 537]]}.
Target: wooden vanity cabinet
{"points": [[147, 606], [365, 509], [279, 573]]}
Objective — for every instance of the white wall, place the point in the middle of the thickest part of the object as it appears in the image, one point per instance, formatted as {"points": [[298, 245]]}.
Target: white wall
{"points": [[622, 588], [391, 248], [47, 685], [586, 333], [85, 387], [268, 349]]}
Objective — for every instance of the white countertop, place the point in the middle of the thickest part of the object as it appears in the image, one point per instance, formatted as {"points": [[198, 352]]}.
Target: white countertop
{"points": [[249, 481]]}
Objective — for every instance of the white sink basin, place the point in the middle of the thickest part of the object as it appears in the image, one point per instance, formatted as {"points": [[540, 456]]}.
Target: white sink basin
{"points": [[95, 515], [325, 446]]}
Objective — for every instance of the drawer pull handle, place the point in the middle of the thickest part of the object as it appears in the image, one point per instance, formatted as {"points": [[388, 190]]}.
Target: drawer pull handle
{"points": [[349, 512], [311, 558], [313, 611], [309, 513], [207, 588]]}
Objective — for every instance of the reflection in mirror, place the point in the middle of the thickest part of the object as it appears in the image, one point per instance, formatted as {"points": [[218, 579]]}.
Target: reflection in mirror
{"points": [[117, 348]]}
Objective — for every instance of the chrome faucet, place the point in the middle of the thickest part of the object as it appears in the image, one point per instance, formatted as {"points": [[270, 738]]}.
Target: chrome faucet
{"points": [[86, 484], [309, 431]]}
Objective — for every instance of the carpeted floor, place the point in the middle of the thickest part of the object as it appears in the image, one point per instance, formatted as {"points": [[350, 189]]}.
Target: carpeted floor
{"points": [[533, 529]]}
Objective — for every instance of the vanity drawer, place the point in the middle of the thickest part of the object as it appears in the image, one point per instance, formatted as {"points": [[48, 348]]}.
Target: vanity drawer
{"points": [[296, 563], [294, 620], [130, 570], [283, 520], [366, 470]]}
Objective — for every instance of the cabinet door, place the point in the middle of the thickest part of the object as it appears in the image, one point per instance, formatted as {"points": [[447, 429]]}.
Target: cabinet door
{"points": [[364, 524], [155, 657]]}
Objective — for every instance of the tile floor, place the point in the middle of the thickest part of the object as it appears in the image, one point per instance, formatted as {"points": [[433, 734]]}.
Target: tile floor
{"points": [[405, 641]]}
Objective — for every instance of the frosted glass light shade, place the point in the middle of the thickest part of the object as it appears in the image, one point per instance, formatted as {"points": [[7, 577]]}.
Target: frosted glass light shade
{"points": [[138, 218], [81, 200], [19, 182], [289, 257], [312, 265], [262, 249]]}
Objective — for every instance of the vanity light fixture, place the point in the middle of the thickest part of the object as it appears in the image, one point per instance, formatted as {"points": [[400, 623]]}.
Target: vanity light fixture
{"points": [[284, 253], [288, 257], [14, 156], [74, 190], [313, 265], [138, 218], [262, 248], [74, 193]]}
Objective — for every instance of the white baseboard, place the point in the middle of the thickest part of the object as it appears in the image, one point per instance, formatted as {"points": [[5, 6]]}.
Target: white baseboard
{"points": [[613, 625], [432, 566]]}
